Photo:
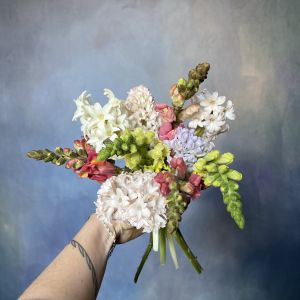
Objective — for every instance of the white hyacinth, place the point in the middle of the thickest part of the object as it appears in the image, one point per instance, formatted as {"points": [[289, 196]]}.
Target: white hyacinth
{"points": [[134, 198], [99, 123], [213, 114], [140, 107]]}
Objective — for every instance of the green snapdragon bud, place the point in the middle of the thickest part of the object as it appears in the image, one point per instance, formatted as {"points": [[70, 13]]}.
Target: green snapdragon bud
{"points": [[59, 151], [60, 161], [211, 168], [234, 175], [213, 155], [35, 154], [225, 159], [223, 169]]}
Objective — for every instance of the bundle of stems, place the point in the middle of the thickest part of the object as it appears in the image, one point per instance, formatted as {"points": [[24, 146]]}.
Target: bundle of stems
{"points": [[164, 236]]}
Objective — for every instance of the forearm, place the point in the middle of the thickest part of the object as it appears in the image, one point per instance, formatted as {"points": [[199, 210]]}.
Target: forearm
{"points": [[71, 275]]}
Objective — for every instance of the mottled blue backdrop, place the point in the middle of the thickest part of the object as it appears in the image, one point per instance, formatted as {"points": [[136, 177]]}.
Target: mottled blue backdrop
{"points": [[50, 51]]}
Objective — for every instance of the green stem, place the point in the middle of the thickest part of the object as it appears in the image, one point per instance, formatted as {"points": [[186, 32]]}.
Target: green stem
{"points": [[162, 245], [144, 258], [172, 250], [187, 251]]}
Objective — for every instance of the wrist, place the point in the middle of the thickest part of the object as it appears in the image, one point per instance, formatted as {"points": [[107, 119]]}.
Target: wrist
{"points": [[105, 233]]}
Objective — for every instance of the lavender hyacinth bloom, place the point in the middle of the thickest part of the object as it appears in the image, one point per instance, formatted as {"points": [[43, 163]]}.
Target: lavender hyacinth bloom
{"points": [[189, 146]]}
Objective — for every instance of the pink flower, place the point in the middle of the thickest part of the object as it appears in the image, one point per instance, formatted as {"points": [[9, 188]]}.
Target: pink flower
{"points": [[196, 181], [166, 131], [83, 145], [166, 112], [179, 165], [164, 179], [96, 170]]}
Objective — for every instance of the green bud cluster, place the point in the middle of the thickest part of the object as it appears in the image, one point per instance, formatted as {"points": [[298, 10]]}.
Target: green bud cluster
{"points": [[176, 204], [139, 148], [215, 171], [59, 156], [188, 88]]}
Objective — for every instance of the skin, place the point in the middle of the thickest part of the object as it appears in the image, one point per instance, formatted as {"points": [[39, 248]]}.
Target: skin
{"points": [[69, 276]]}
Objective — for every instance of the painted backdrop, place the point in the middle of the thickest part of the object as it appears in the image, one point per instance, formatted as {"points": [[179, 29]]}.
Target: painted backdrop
{"points": [[51, 51]]}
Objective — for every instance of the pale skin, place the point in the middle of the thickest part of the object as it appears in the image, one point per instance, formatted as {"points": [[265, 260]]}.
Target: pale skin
{"points": [[70, 274]]}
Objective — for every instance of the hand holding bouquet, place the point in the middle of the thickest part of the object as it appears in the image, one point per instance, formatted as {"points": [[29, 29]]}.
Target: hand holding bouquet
{"points": [[169, 158]]}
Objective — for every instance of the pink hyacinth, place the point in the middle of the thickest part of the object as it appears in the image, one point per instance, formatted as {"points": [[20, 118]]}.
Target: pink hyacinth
{"points": [[166, 112]]}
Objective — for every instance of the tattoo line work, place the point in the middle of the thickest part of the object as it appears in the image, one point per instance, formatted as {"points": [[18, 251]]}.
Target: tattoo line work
{"points": [[84, 254]]}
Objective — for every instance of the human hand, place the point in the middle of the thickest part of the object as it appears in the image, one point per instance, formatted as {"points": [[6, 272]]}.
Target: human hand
{"points": [[125, 232]]}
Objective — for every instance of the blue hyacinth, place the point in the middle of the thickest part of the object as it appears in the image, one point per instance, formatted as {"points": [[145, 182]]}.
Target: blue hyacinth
{"points": [[189, 146]]}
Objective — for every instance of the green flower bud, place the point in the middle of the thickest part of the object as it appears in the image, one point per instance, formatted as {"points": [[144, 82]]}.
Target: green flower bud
{"points": [[81, 152], [133, 160], [211, 168], [181, 83], [104, 154], [223, 169], [190, 84], [60, 161], [149, 137], [234, 175], [78, 164], [124, 147], [59, 151], [212, 155], [35, 154], [226, 159], [217, 182], [210, 179], [126, 136], [199, 165], [233, 185], [133, 148]]}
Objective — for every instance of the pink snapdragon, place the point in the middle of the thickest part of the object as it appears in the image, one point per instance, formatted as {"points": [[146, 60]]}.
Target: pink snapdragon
{"points": [[166, 112], [164, 179], [196, 181], [179, 165], [166, 131]]}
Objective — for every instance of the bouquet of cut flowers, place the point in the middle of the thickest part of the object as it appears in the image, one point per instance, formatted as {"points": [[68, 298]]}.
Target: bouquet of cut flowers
{"points": [[169, 158]]}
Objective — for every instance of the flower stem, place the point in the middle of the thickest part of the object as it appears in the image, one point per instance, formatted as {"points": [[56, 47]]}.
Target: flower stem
{"points": [[162, 245], [144, 258], [187, 251], [172, 250], [155, 237]]}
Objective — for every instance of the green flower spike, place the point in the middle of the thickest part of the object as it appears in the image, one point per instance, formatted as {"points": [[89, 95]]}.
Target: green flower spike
{"points": [[215, 171], [188, 88], [140, 150]]}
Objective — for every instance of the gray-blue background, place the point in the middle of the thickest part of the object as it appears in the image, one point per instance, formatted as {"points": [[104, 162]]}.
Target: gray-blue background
{"points": [[52, 50]]}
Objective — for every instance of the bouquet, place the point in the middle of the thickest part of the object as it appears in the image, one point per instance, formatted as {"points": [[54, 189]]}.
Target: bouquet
{"points": [[169, 154]]}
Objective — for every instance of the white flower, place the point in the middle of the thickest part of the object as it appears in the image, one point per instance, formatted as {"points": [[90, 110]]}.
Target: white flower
{"points": [[213, 121], [134, 198], [140, 107], [210, 102], [229, 111], [213, 115], [100, 123]]}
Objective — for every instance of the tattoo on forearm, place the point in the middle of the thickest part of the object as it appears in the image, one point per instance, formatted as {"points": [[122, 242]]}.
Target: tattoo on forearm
{"points": [[84, 254]]}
